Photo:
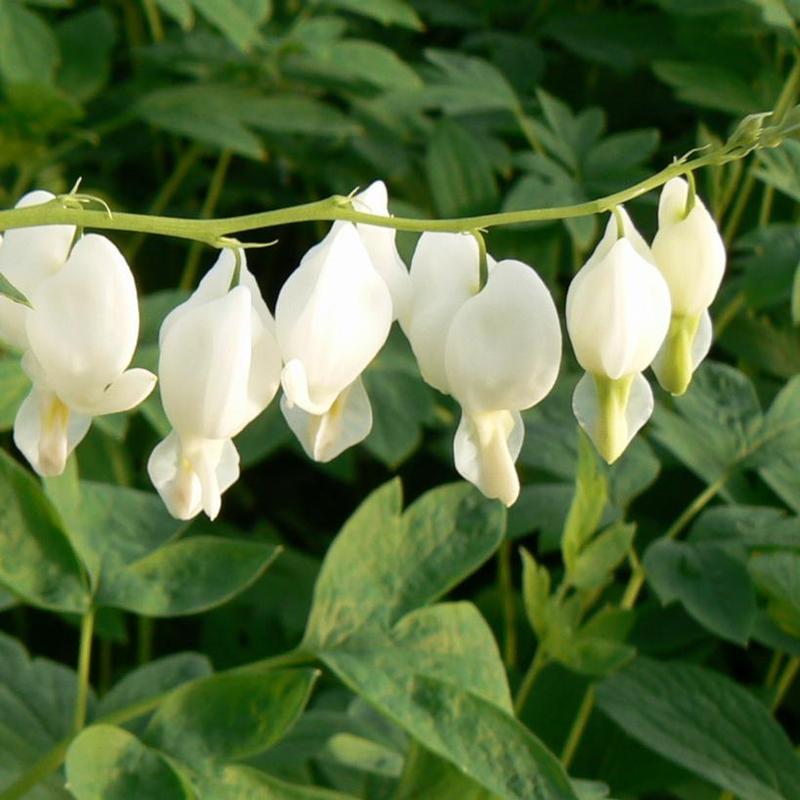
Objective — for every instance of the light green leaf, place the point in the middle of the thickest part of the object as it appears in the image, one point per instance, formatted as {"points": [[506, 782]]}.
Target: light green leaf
{"points": [[387, 12], [588, 503], [535, 592], [285, 113], [595, 563], [371, 575], [706, 723], [188, 576], [110, 763], [28, 48], [711, 585], [428, 774], [180, 10], [230, 716], [36, 559]]}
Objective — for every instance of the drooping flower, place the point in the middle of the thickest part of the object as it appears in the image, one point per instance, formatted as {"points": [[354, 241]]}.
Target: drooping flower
{"points": [[27, 257], [219, 368], [380, 244], [333, 316], [690, 253], [618, 311], [80, 337], [496, 350]]}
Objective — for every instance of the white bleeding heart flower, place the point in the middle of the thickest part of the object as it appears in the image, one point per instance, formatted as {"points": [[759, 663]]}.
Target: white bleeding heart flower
{"points": [[27, 257], [496, 350], [380, 244], [81, 334], [618, 312], [219, 367], [333, 316], [690, 253]]}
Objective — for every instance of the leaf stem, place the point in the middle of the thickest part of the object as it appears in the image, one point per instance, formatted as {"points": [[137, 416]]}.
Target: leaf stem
{"points": [[84, 666], [785, 681], [537, 664], [578, 727], [636, 581], [505, 580]]}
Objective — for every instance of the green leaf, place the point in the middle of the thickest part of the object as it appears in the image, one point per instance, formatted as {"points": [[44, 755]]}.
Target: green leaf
{"points": [[459, 173], [704, 722], [588, 503], [285, 113], [36, 712], [205, 113], [387, 12], [746, 527], [712, 585], [36, 559], [7, 289], [108, 762], [466, 84], [230, 716], [595, 563], [188, 576], [371, 575], [153, 679], [535, 592], [484, 742], [109, 526], [85, 70], [711, 86], [28, 48], [718, 423], [401, 403], [777, 575], [426, 774]]}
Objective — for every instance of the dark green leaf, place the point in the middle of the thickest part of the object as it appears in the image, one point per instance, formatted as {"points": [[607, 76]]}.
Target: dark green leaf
{"points": [[707, 724], [712, 585], [28, 48]]}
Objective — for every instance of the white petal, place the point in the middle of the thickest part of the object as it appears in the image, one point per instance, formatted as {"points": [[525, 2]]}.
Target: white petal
{"points": [[444, 275], [333, 316], [85, 321], [28, 256], [204, 368], [325, 436], [46, 431], [611, 234], [126, 392], [265, 363], [503, 348], [618, 312], [638, 409], [689, 251], [380, 244], [191, 479], [485, 448]]}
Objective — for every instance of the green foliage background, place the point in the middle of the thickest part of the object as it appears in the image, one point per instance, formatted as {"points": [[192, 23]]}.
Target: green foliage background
{"points": [[647, 638]]}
